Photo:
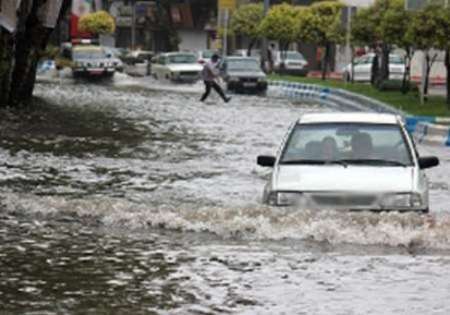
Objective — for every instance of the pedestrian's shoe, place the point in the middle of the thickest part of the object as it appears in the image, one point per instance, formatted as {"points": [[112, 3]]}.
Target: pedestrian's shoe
{"points": [[228, 99]]}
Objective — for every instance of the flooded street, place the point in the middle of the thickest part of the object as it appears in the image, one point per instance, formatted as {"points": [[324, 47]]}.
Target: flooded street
{"points": [[137, 198]]}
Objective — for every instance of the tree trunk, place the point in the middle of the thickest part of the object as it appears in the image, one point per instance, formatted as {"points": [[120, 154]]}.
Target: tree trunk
{"points": [[447, 81], [325, 61], [250, 46], [20, 53], [406, 82]]}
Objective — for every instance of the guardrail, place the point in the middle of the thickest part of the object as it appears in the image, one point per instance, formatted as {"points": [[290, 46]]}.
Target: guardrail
{"points": [[332, 97], [425, 129]]}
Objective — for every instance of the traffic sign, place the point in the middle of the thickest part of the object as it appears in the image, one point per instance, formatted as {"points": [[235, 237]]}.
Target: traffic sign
{"points": [[227, 4]]}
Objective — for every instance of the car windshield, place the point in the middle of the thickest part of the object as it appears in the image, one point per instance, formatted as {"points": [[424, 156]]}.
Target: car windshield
{"points": [[394, 59], [89, 54], [184, 58], [294, 55], [349, 143], [243, 65]]}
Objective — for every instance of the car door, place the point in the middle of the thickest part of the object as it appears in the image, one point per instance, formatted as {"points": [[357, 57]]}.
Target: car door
{"points": [[361, 69]]}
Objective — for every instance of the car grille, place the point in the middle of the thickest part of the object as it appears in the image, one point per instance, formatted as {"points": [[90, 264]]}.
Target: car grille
{"points": [[346, 200], [189, 73], [253, 80]]}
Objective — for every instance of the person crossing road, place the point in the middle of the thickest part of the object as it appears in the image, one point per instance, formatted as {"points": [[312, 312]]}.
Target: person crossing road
{"points": [[209, 74]]}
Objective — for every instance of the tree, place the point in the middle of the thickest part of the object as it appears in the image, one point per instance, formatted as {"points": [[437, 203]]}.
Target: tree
{"points": [[280, 24], [246, 20], [442, 42], [370, 26], [422, 31], [392, 29], [99, 22], [321, 24], [20, 50]]}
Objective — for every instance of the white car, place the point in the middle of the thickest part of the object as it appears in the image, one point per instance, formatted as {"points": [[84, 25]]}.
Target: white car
{"points": [[291, 62], [177, 67], [363, 68], [137, 63], [355, 161]]}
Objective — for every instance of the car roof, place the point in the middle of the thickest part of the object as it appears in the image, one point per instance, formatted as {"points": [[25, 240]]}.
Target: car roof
{"points": [[88, 48], [369, 118]]}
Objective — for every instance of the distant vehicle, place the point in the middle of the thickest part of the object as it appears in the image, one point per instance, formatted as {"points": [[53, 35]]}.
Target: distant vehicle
{"points": [[255, 53], [204, 56], [356, 161], [138, 63], [243, 74], [290, 62], [176, 67], [363, 68], [91, 61]]}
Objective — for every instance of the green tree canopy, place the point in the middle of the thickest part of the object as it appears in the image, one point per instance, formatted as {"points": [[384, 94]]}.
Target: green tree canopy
{"points": [[245, 20], [321, 23], [99, 22], [280, 24]]}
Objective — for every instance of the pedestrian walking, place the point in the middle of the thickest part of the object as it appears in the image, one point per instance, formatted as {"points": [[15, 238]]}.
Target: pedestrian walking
{"points": [[209, 74]]}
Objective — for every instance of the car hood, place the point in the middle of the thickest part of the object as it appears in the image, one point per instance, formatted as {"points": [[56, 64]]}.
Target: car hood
{"points": [[105, 60], [343, 178], [185, 67], [247, 74]]}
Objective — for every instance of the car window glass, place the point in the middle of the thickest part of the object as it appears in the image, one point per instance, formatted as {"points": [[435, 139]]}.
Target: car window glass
{"points": [[347, 141], [243, 65]]}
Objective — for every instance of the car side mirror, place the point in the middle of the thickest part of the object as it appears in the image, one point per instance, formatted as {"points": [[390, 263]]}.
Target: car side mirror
{"points": [[428, 162], [266, 161]]}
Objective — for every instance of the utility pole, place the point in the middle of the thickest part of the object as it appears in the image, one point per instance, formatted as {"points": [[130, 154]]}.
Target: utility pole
{"points": [[265, 43]]}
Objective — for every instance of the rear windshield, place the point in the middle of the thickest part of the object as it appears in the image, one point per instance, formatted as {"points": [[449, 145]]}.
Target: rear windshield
{"points": [[243, 65], [185, 58], [371, 144]]}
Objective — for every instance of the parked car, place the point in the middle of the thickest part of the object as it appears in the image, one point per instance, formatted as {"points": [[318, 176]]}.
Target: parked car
{"points": [[91, 61], [176, 67], [255, 53], [356, 161], [243, 74], [138, 63], [290, 62], [363, 68], [204, 56]]}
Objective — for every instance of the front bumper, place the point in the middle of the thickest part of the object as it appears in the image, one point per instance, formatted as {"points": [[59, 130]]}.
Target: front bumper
{"points": [[243, 86], [94, 72], [386, 201]]}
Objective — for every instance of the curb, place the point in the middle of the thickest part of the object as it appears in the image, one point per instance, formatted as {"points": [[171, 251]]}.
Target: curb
{"points": [[428, 133]]}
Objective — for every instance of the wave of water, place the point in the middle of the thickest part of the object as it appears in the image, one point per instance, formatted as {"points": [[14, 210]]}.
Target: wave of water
{"points": [[410, 230]]}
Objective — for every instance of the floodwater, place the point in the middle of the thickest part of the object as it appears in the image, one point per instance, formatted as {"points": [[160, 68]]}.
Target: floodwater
{"points": [[134, 197]]}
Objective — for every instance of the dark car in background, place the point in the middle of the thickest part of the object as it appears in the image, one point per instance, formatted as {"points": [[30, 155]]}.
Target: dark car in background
{"points": [[243, 75]]}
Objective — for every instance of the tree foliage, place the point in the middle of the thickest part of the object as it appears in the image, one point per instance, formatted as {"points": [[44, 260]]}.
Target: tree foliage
{"points": [[246, 20], [99, 22], [321, 23], [280, 24]]}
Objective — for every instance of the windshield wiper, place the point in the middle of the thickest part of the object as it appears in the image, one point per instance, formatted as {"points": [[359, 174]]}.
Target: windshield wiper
{"points": [[372, 162], [304, 161]]}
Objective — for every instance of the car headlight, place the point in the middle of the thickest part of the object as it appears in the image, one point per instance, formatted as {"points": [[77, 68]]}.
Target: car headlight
{"points": [[401, 201], [285, 199], [262, 79], [174, 74], [233, 79]]}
